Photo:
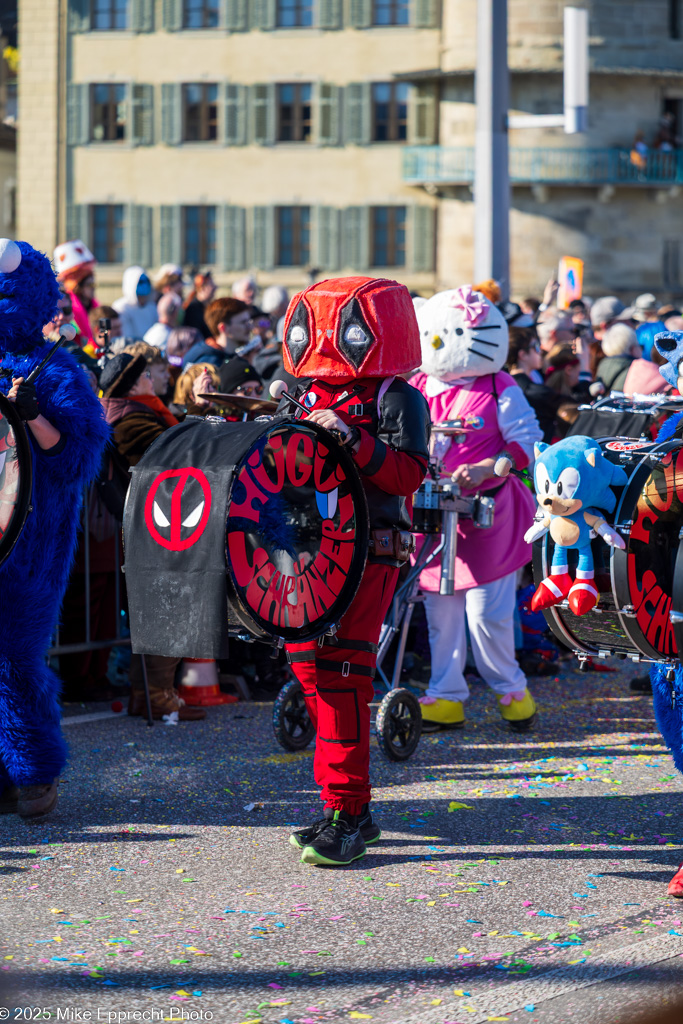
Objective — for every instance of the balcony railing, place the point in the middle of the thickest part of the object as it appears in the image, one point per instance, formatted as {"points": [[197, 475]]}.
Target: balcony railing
{"points": [[442, 165]]}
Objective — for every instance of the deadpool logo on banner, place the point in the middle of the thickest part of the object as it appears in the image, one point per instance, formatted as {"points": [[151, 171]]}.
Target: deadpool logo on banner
{"points": [[177, 508]]}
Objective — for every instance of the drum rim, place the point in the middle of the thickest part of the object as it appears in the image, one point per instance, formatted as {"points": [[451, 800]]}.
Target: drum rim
{"points": [[619, 559], [303, 634], [23, 504]]}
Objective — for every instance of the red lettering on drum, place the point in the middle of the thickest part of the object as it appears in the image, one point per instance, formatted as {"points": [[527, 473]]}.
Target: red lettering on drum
{"points": [[282, 592], [660, 632], [299, 454]]}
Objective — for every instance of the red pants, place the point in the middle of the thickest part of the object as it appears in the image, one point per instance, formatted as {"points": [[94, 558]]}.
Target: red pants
{"points": [[337, 685]]}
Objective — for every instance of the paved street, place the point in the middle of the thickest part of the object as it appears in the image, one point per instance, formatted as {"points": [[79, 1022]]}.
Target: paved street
{"points": [[520, 879]]}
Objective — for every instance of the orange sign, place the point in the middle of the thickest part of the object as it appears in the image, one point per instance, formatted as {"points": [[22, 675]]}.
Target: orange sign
{"points": [[570, 277]]}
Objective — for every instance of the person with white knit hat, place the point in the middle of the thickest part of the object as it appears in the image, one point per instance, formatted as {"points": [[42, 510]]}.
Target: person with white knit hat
{"points": [[74, 264]]}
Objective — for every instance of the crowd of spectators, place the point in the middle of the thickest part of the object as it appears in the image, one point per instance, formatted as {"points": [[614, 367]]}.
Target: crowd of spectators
{"points": [[160, 351]]}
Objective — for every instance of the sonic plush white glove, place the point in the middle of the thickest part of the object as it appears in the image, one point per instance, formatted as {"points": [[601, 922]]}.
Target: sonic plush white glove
{"points": [[539, 529], [610, 535]]}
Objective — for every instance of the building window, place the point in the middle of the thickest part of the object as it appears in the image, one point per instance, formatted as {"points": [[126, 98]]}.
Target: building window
{"points": [[388, 236], [293, 246], [675, 20], [389, 111], [294, 13], [200, 13], [391, 12], [199, 235], [294, 112], [671, 270], [108, 117], [106, 233], [200, 113], [109, 14]]}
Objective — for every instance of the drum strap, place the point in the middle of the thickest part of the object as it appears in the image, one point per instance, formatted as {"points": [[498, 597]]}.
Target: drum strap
{"points": [[345, 668], [351, 645], [296, 656]]}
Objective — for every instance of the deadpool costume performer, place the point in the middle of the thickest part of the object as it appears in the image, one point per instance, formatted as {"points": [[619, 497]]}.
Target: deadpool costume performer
{"points": [[348, 340]]}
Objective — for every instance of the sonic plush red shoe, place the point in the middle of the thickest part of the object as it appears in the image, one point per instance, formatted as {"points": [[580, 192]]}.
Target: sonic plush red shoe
{"points": [[550, 591], [676, 884], [583, 596]]}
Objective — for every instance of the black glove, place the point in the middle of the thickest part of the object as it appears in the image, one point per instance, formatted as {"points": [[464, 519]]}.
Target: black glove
{"points": [[26, 402]]}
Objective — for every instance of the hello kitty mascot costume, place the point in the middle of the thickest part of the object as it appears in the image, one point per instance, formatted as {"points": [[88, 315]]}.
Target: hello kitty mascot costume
{"points": [[464, 340]]}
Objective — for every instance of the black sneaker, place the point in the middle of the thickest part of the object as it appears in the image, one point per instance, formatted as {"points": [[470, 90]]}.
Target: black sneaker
{"points": [[369, 829], [338, 842]]}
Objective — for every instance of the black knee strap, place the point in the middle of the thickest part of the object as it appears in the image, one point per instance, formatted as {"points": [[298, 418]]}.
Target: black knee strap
{"points": [[298, 656], [345, 668], [351, 645]]}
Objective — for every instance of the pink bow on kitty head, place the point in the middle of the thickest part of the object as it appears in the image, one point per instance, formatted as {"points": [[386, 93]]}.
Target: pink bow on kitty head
{"points": [[475, 310]]}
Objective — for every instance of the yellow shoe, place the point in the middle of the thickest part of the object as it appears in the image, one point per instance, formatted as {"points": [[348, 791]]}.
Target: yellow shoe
{"points": [[519, 709], [442, 714]]}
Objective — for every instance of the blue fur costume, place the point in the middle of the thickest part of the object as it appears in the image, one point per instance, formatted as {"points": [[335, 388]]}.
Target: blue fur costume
{"points": [[34, 577], [669, 719]]}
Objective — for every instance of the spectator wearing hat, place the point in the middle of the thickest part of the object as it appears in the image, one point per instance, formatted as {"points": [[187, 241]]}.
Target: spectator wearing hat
{"points": [[229, 321], [136, 307], [199, 298], [75, 266], [649, 323], [138, 417], [621, 348], [170, 280], [157, 365], [238, 377]]}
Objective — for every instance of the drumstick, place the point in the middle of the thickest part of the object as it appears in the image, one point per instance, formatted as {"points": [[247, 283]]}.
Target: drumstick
{"points": [[278, 390], [67, 332]]}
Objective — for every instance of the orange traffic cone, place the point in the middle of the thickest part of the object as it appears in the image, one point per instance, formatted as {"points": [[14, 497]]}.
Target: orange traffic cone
{"points": [[199, 684]]}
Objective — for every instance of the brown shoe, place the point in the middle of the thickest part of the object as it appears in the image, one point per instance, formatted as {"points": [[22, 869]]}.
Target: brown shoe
{"points": [[164, 702], [36, 801], [8, 799]]}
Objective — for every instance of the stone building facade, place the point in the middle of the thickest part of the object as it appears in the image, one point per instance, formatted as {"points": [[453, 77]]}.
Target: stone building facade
{"points": [[287, 135]]}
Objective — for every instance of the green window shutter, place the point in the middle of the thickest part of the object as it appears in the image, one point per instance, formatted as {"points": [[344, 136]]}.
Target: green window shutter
{"points": [[329, 14], [328, 97], [422, 238], [357, 117], [141, 126], [327, 238], [263, 114], [139, 235], [77, 222], [141, 15], [235, 15], [77, 114], [235, 114], [263, 237], [426, 13], [169, 234], [171, 114], [356, 237], [422, 115], [262, 14], [360, 13], [233, 239], [79, 15], [173, 15]]}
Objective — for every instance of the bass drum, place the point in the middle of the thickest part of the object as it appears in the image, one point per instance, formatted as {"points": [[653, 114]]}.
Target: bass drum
{"points": [[297, 533], [16, 477], [633, 616]]}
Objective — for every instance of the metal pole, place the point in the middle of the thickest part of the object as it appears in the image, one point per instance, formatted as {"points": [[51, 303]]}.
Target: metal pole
{"points": [[492, 178], [575, 70]]}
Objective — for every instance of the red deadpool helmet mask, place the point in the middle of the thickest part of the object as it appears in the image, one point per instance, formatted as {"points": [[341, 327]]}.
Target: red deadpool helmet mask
{"points": [[351, 327]]}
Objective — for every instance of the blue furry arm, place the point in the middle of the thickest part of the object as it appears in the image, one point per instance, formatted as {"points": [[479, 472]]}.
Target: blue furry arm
{"points": [[68, 402]]}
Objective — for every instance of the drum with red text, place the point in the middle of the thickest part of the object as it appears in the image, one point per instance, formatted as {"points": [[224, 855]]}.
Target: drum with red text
{"points": [[634, 614]]}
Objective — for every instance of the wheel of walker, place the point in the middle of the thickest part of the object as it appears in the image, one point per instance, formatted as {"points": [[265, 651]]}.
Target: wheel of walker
{"points": [[292, 725], [399, 725]]}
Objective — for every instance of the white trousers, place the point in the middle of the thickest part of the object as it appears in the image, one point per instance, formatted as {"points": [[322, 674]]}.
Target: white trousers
{"points": [[490, 616]]}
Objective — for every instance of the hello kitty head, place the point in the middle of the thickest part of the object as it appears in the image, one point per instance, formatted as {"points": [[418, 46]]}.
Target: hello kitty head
{"points": [[462, 334]]}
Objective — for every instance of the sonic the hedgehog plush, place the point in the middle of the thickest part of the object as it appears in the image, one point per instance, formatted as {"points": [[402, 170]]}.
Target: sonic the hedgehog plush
{"points": [[574, 483], [67, 433]]}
